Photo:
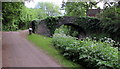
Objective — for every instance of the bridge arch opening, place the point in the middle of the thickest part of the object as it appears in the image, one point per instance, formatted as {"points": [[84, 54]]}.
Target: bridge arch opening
{"points": [[81, 33]]}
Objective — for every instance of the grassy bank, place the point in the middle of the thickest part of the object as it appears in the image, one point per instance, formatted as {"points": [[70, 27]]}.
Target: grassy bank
{"points": [[45, 44]]}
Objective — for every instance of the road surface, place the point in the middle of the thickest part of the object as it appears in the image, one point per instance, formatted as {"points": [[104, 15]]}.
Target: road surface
{"points": [[19, 52], [0, 49]]}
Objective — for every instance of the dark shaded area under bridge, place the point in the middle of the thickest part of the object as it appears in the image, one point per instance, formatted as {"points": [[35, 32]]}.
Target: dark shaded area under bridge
{"points": [[81, 31]]}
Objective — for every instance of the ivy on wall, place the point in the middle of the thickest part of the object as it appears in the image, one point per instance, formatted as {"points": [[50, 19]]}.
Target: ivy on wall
{"points": [[52, 22], [90, 24]]}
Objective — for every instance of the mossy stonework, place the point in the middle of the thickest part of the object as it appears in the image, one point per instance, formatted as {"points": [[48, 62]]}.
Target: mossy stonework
{"points": [[48, 26]]}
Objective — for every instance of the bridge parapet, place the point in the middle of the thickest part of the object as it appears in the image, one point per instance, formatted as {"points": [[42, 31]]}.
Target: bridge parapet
{"points": [[47, 26]]}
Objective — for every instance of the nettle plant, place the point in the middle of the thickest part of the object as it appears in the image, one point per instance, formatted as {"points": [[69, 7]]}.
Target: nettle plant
{"points": [[110, 41], [91, 53]]}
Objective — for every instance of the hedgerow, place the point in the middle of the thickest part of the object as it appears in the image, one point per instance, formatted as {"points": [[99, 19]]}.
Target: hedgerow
{"points": [[92, 53]]}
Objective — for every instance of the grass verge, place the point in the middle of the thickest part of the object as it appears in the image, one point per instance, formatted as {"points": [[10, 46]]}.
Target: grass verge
{"points": [[45, 44]]}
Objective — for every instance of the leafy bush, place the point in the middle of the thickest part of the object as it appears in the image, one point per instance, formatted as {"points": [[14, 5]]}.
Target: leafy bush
{"points": [[92, 53], [110, 22], [16, 16], [110, 41]]}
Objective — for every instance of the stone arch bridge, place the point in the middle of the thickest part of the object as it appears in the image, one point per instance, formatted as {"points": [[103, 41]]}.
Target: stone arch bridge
{"points": [[47, 26]]}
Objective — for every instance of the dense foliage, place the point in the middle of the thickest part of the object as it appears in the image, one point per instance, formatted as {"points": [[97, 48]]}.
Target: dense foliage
{"points": [[90, 24], [78, 8], [110, 21], [17, 16], [109, 16], [75, 9], [11, 15], [91, 53], [50, 9]]}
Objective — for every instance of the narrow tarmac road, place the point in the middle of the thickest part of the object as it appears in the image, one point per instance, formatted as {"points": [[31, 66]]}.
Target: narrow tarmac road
{"points": [[0, 49], [19, 52]]}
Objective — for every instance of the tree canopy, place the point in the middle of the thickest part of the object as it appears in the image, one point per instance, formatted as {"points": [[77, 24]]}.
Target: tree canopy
{"points": [[17, 16], [11, 14], [49, 8], [78, 8]]}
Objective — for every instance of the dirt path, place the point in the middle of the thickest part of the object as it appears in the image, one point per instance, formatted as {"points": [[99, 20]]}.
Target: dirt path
{"points": [[19, 52], [0, 49]]}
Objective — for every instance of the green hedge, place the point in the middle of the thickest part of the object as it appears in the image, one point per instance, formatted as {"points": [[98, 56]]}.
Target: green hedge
{"points": [[91, 53]]}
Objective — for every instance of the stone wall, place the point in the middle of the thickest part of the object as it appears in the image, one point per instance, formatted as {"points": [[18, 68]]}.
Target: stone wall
{"points": [[84, 24]]}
